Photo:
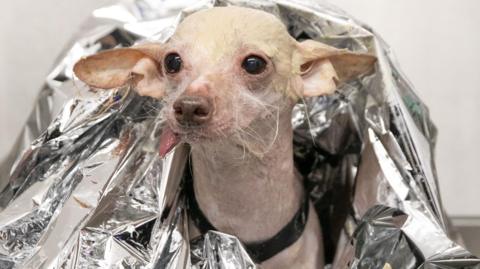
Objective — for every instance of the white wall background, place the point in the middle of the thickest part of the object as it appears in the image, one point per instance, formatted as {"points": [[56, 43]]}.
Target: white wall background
{"points": [[436, 42]]}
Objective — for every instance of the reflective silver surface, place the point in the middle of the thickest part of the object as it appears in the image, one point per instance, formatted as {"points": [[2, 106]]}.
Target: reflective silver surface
{"points": [[84, 186]]}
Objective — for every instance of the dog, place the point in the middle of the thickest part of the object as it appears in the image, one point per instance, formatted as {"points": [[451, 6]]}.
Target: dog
{"points": [[230, 77]]}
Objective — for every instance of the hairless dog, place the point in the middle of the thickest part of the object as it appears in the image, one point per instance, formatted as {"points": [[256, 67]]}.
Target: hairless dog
{"points": [[230, 77]]}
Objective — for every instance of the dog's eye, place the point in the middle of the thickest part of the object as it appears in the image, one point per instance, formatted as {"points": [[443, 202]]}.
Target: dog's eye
{"points": [[254, 64], [173, 63]]}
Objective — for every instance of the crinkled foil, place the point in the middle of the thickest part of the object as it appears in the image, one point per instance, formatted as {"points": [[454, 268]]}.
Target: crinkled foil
{"points": [[84, 186]]}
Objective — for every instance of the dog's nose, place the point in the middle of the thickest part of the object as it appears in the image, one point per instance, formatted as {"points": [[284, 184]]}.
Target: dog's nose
{"points": [[192, 110]]}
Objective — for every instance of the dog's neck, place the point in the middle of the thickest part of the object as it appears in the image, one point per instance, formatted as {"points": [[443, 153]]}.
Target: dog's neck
{"points": [[245, 195]]}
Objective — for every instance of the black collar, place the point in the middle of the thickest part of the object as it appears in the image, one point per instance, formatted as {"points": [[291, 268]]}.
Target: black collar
{"points": [[258, 251]]}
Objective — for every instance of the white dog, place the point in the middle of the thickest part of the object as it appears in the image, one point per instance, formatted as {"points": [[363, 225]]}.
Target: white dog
{"points": [[230, 78]]}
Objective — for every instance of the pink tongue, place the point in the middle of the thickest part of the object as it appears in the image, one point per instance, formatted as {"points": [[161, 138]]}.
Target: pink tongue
{"points": [[168, 140]]}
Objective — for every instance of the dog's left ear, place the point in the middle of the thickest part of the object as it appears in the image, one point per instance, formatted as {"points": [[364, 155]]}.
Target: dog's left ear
{"points": [[323, 67]]}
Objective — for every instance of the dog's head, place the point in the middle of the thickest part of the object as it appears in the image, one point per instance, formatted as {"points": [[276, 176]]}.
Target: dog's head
{"points": [[226, 72]]}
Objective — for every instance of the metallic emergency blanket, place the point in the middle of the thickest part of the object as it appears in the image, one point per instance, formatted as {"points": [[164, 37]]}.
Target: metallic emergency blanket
{"points": [[84, 186]]}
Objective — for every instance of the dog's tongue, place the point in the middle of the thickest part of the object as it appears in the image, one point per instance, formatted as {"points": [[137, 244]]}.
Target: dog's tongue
{"points": [[168, 140]]}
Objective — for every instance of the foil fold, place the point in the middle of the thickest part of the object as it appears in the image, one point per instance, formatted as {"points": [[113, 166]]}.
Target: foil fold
{"points": [[84, 186]]}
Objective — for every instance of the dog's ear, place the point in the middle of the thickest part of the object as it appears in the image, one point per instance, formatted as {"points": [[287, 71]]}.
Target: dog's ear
{"points": [[138, 65], [323, 67]]}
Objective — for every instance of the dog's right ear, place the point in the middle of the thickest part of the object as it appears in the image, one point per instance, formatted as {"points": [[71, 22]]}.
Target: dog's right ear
{"points": [[137, 65]]}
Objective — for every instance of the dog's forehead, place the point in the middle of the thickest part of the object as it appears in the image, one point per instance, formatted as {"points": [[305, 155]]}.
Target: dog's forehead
{"points": [[223, 30]]}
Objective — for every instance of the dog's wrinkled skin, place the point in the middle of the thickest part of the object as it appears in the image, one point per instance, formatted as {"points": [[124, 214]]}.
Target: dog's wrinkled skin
{"points": [[244, 175]]}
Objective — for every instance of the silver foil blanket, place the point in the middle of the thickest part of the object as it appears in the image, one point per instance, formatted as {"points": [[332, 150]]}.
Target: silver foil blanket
{"points": [[84, 186]]}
